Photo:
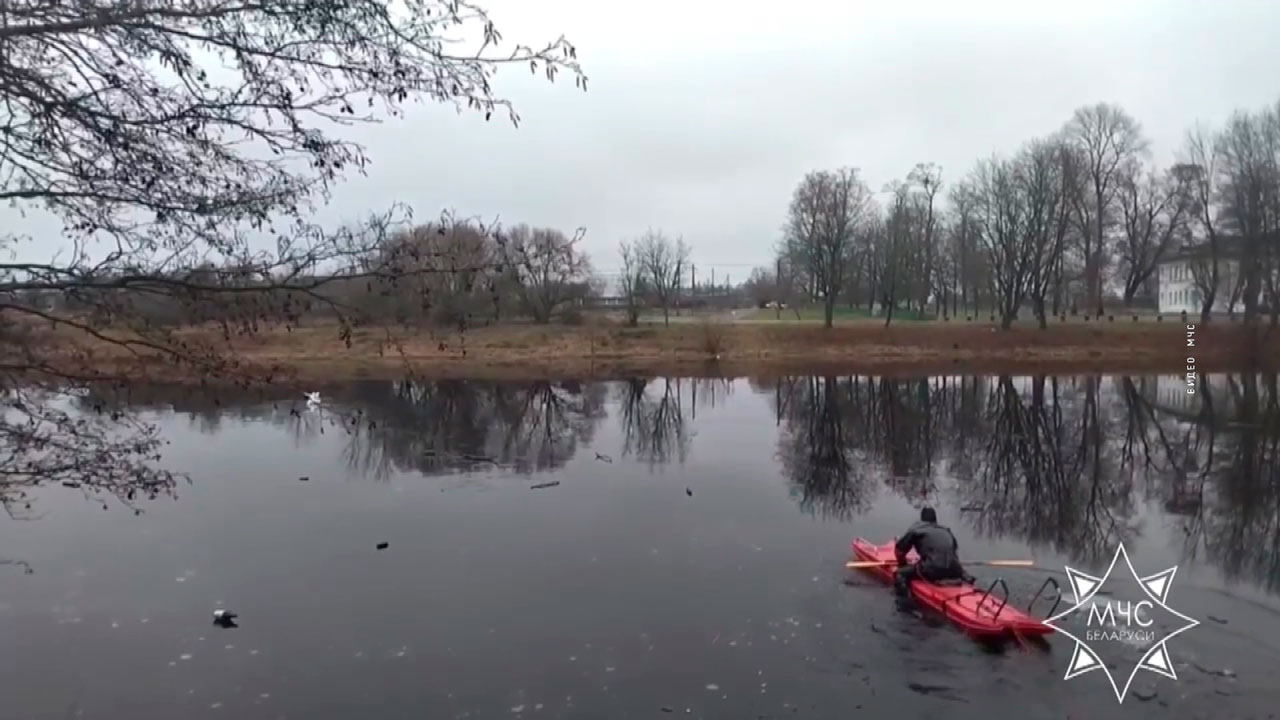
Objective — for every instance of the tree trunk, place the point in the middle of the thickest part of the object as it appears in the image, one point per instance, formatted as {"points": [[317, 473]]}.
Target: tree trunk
{"points": [[828, 309]]}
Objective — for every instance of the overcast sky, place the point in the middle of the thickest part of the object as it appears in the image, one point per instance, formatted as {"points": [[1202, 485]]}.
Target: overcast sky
{"points": [[702, 116]]}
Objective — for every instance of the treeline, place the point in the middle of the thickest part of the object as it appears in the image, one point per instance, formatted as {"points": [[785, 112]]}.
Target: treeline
{"points": [[461, 272], [1072, 222], [449, 272]]}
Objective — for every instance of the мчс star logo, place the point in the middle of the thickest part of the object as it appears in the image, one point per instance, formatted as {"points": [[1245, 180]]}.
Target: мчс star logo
{"points": [[1112, 623]]}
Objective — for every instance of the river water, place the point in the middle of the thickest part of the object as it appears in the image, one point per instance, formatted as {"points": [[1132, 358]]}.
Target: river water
{"points": [[689, 562]]}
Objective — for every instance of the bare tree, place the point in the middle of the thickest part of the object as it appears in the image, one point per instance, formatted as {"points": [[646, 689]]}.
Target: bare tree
{"points": [[442, 272], [1001, 214], [762, 287], [892, 246], [1108, 140], [1247, 152], [166, 136], [549, 269], [1200, 174], [1154, 213], [826, 211], [1043, 178], [633, 282], [964, 251], [926, 181], [664, 262]]}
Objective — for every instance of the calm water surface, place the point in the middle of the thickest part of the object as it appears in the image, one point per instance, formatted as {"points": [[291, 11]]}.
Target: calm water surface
{"points": [[689, 563]]}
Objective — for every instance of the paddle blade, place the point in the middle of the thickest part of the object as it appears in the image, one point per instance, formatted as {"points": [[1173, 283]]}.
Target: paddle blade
{"points": [[997, 563]]}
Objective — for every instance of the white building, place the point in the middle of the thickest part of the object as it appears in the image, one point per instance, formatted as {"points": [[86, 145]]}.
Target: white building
{"points": [[1183, 275]]}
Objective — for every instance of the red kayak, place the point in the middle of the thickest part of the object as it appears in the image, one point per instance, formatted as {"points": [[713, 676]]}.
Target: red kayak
{"points": [[975, 610]]}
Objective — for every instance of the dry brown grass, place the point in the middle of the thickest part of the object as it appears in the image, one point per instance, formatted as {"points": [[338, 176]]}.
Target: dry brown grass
{"points": [[708, 348]]}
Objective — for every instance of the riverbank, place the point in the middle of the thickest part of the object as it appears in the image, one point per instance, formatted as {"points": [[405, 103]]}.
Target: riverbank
{"points": [[522, 351]]}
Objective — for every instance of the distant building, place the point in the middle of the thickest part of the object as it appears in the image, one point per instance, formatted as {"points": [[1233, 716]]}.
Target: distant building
{"points": [[1182, 277]]}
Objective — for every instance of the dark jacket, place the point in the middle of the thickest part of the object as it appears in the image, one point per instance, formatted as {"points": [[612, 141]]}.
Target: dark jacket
{"points": [[937, 547]]}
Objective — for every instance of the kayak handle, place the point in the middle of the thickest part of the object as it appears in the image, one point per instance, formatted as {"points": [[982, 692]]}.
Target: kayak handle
{"points": [[987, 594], [1056, 587]]}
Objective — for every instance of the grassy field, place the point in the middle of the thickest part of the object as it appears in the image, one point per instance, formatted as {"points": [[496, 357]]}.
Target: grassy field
{"points": [[707, 344], [861, 315], [815, 314]]}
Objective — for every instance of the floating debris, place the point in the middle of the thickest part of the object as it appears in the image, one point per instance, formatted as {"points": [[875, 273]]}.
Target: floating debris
{"points": [[184, 656], [304, 478], [539, 486], [688, 491], [1217, 619], [603, 458], [1225, 672], [928, 689], [712, 686], [225, 619], [1144, 695], [517, 708], [383, 545], [70, 484]]}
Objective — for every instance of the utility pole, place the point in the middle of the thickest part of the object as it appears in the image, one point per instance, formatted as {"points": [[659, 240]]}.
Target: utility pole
{"points": [[777, 292]]}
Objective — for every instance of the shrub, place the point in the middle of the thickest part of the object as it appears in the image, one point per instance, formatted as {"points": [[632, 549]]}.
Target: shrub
{"points": [[713, 337]]}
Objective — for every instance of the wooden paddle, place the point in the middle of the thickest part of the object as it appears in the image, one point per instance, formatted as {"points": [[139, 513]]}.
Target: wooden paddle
{"points": [[996, 563]]}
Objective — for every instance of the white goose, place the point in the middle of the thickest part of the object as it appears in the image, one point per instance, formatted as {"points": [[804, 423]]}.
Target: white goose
{"points": [[313, 399]]}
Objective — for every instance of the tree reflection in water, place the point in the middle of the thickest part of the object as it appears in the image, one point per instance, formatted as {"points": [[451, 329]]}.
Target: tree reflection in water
{"points": [[653, 422], [1046, 471], [1064, 463], [817, 445], [1073, 464], [456, 426]]}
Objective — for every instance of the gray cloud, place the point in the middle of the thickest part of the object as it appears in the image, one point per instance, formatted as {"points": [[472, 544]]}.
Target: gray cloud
{"points": [[702, 116]]}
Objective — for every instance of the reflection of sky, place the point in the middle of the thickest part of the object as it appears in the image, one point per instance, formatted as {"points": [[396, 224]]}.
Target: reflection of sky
{"points": [[484, 572], [734, 437]]}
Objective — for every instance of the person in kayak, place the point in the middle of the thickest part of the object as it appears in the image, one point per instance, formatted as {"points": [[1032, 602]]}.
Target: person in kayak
{"points": [[937, 549]]}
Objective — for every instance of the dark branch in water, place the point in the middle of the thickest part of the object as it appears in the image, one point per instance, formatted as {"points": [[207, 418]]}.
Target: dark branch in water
{"points": [[26, 566]]}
